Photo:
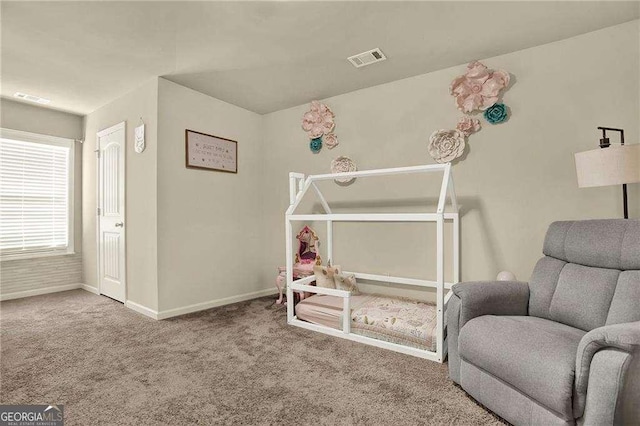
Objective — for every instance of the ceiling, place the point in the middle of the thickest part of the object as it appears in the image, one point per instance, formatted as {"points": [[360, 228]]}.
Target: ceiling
{"points": [[265, 56]]}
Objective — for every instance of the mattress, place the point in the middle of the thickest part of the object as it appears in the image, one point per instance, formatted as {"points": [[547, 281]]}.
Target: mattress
{"points": [[392, 319]]}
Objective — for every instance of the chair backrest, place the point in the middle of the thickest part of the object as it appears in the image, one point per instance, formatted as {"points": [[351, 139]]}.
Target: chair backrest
{"points": [[590, 275], [307, 253]]}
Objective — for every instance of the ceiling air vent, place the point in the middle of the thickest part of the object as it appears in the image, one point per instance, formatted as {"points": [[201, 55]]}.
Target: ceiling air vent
{"points": [[367, 58], [31, 98]]}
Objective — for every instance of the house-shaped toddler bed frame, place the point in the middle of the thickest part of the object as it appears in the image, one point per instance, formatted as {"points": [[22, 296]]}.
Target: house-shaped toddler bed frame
{"points": [[299, 186]]}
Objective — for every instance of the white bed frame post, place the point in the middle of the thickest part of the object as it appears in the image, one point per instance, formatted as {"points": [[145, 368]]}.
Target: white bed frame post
{"points": [[289, 271], [456, 249], [440, 287], [446, 179], [299, 186], [330, 242], [346, 314], [295, 196], [455, 231]]}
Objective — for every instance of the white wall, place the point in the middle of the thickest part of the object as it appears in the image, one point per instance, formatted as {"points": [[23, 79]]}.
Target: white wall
{"points": [[36, 119], [517, 177], [199, 238], [33, 276], [141, 193], [193, 236], [210, 227]]}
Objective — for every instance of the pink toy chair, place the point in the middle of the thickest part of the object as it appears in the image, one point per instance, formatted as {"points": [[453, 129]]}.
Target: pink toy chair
{"points": [[306, 258]]}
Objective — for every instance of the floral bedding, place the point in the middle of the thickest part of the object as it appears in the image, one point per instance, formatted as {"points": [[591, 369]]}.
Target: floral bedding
{"points": [[397, 320]]}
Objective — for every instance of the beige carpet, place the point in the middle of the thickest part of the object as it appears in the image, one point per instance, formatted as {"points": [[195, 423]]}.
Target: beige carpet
{"points": [[239, 364]]}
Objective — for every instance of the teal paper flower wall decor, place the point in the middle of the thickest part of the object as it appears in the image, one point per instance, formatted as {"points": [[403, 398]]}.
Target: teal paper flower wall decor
{"points": [[315, 145], [496, 113]]}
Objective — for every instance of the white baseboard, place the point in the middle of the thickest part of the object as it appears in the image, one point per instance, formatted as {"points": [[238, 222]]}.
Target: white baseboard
{"points": [[169, 313], [141, 309], [89, 288], [39, 291], [129, 304]]}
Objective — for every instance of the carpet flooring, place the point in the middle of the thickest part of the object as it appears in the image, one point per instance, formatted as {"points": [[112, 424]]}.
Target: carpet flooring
{"points": [[239, 364]]}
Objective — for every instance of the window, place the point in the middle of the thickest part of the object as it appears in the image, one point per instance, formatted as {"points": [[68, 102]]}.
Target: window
{"points": [[36, 194]]}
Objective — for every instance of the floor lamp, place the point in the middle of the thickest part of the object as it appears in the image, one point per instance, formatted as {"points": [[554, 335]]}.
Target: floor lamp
{"points": [[609, 165]]}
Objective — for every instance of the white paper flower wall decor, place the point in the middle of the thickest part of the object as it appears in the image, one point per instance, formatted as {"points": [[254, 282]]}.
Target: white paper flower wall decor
{"points": [[319, 123], [478, 90], [343, 165], [446, 145]]}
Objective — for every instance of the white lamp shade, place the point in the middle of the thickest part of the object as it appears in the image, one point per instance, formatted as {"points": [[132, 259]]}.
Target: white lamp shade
{"points": [[614, 165]]}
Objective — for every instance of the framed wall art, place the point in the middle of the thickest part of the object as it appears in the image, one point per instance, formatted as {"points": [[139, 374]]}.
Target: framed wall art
{"points": [[209, 152]]}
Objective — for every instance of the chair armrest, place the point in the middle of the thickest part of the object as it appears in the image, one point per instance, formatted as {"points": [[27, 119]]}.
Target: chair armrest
{"points": [[625, 336], [491, 298]]}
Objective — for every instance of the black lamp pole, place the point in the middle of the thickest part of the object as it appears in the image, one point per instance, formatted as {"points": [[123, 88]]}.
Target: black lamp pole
{"points": [[604, 143]]}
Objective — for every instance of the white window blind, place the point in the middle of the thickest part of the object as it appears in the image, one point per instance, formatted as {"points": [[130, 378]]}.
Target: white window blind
{"points": [[35, 202]]}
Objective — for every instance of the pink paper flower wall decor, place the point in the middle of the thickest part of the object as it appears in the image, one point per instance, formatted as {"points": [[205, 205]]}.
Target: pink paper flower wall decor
{"points": [[478, 88], [468, 125], [318, 121], [331, 140]]}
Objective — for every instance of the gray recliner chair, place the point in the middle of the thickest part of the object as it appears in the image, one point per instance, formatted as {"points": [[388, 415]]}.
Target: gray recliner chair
{"points": [[565, 347]]}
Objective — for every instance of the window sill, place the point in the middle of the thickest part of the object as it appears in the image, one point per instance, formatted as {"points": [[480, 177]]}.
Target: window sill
{"points": [[25, 256]]}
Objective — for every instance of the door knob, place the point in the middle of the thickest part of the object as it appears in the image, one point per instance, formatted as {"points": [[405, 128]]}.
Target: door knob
{"points": [[119, 224]]}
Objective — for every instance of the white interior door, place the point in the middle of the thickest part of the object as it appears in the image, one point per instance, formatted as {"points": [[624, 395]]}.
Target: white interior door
{"points": [[111, 208]]}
